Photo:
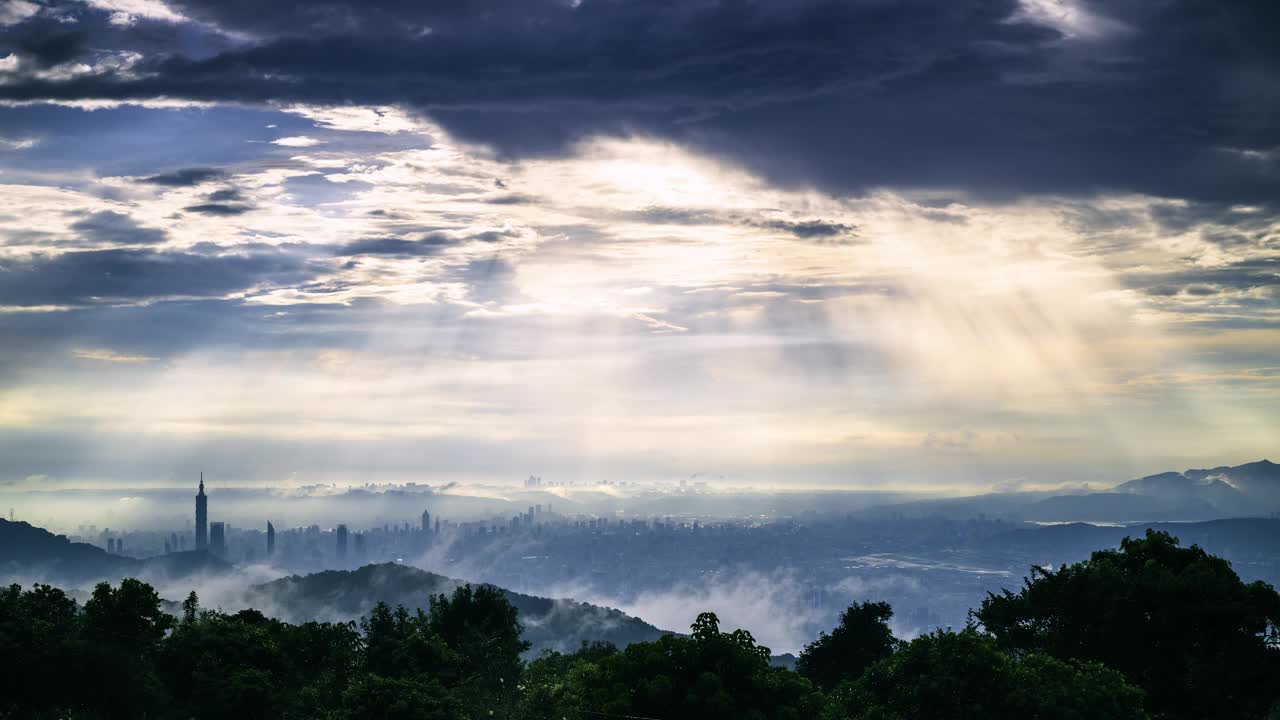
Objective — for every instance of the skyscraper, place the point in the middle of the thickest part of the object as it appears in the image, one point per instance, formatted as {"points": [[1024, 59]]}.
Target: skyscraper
{"points": [[218, 539], [202, 517], [271, 539], [426, 521], [342, 541]]}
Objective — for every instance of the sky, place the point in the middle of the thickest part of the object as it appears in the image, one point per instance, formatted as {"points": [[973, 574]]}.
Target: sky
{"points": [[928, 245]]}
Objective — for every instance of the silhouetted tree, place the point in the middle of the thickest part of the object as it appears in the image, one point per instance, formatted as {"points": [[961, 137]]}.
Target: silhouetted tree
{"points": [[249, 666], [482, 632], [964, 676], [711, 675], [374, 696], [41, 648], [190, 607], [123, 631], [1176, 621], [862, 638]]}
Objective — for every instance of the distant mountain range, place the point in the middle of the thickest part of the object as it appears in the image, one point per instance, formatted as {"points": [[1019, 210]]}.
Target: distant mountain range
{"points": [[1244, 489]]}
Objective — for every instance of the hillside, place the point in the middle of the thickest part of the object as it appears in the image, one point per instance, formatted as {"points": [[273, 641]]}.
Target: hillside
{"points": [[1119, 507], [31, 553], [346, 595]]}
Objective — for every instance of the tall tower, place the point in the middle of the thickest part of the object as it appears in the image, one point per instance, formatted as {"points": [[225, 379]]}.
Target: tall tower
{"points": [[426, 521], [202, 518], [271, 539]]}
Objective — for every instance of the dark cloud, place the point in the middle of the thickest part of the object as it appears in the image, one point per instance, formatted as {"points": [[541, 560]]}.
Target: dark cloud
{"points": [[186, 177], [513, 199], [112, 228], [810, 229], [661, 215], [1203, 281], [225, 195], [53, 48], [398, 247], [119, 275], [218, 209], [849, 96], [429, 243]]}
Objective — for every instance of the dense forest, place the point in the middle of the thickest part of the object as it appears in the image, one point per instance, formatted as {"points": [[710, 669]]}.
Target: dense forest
{"points": [[1149, 630]]}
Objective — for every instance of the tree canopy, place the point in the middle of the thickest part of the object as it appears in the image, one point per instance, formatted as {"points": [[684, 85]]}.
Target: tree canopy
{"points": [[1178, 622], [863, 637]]}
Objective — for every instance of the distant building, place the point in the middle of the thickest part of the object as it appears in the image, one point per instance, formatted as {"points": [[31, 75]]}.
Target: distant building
{"points": [[202, 517], [271, 539], [342, 541], [111, 545], [359, 544], [218, 539], [426, 521]]}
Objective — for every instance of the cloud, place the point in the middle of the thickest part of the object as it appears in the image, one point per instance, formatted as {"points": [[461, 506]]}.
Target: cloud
{"points": [[108, 227], [13, 12], [119, 275], [186, 177], [218, 209], [810, 229], [18, 143], [1241, 275], [297, 141], [1066, 97], [395, 246], [108, 355], [55, 48]]}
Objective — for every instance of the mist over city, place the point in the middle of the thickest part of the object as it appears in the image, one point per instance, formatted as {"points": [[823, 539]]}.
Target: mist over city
{"points": [[589, 359]]}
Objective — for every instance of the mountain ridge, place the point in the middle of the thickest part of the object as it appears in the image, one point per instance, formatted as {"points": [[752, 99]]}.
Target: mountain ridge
{"points": [[549, 623]]}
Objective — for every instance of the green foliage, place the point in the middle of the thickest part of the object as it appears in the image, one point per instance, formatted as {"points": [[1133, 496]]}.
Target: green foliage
{"points": [[553, 685], [862, 638], [964, 676], [480, 629], [40, 640], [711, 675], [123, 628], [374, 696], [1175, 621], [249, 666]]}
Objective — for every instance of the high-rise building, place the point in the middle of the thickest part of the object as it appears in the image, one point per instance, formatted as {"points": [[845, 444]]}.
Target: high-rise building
{"points": [[271, 539], [202, 517], [342, 541], [218, 539], [426, 521]]}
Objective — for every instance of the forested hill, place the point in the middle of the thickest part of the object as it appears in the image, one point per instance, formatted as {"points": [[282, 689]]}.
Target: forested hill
{"points": [[348, 595]]}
